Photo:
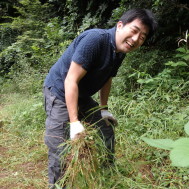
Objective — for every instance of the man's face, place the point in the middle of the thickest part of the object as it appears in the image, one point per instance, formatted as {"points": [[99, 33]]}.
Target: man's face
{"points": [[131, 36]]}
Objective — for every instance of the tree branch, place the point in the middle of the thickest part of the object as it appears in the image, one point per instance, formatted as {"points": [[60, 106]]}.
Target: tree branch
{"points": [[183, 6]]}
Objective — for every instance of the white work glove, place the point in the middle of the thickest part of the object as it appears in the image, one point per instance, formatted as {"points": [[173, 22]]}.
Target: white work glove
{"points": [[108, 118], [75, 128]]}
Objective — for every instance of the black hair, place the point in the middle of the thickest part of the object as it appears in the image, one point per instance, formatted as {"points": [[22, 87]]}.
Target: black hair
{"points": [[144, 15]]}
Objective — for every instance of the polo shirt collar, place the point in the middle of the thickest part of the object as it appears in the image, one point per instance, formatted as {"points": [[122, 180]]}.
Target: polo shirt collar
{"points": [[112, 34]]}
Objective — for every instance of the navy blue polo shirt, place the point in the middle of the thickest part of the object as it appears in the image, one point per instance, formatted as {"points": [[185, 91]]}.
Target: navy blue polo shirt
{"points": [[94, 49]]}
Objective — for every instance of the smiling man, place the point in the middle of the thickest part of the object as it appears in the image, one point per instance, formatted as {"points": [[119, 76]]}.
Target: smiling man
{"points": [[130, 36], [86, 67]]}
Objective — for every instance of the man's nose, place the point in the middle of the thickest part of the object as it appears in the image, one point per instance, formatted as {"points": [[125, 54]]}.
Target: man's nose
{"points": [[135, 37]]}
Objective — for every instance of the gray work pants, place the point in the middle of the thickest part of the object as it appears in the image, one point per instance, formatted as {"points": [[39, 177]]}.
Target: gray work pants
{"points": [[57, 128]]}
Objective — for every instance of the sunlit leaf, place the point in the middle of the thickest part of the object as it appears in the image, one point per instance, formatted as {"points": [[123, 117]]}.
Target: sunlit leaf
{"points": [[166, 144], [175, 64], [181, 142], [186, 128], [180, 154], [186, 57]]}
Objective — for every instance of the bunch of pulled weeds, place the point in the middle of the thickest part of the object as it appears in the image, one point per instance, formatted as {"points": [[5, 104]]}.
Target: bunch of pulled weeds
{"points": [[83, 159]]}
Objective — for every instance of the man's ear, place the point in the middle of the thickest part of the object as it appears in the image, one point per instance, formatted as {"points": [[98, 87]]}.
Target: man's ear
{"points": [[119, 25]]}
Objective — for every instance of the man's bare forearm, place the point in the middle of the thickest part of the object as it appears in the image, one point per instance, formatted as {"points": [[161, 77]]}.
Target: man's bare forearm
{"points": [[75, 73], [104, 93], [71, 96]]}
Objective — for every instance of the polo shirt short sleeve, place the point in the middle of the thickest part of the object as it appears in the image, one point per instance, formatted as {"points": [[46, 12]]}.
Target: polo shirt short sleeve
{"points": [[87, 49]]}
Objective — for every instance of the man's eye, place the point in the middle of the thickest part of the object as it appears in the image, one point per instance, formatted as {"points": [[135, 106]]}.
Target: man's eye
{"points": [[134, 31], [142, 38]]}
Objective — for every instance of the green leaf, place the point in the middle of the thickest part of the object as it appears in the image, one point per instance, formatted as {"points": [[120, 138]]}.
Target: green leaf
{"points": [[181, 63], [169, 63], [181, 142], [186, 128], [166, 144], [57, 186], [141, 81], [181, 49], [186, 57], [180, 154], [175, 64]]}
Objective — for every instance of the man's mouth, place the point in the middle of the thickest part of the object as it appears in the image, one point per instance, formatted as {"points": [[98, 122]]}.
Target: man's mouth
{"points": [[130, 44]]}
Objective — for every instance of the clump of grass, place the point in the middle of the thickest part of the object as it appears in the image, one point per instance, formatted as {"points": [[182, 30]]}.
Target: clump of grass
{"points": [[83, 159]]}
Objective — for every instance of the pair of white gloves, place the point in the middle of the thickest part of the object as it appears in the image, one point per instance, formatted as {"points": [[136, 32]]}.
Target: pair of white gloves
{"points": [[77, 127]]}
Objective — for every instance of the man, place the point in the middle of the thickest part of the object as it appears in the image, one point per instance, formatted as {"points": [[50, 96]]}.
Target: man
{"points": [[86, 67]]}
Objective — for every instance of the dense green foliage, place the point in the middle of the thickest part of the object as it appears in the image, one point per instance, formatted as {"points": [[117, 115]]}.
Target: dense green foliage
{"points": [[149, 96], [36, 32]]}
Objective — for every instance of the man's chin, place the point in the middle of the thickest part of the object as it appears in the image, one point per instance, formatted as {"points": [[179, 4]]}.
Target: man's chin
{"points": [[128, 50]]}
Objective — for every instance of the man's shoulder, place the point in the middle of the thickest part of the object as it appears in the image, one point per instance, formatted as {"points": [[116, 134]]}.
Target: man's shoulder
{"points": [[91, 37], [96, 30], [95, 33]]}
